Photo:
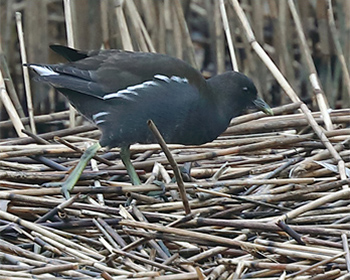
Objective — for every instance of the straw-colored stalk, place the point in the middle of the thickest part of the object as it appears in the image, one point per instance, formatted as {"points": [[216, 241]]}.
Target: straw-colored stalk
{"points": [[11, 111], [316, 85], [67, 4], [286, 86], [228, 35], [25, 72]]}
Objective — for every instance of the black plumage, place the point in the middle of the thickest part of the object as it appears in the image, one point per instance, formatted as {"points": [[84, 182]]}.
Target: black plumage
{"points": [[120, 90]]}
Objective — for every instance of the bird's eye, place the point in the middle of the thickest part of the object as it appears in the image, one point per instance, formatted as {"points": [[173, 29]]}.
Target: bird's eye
{"points": [[245, 89]]}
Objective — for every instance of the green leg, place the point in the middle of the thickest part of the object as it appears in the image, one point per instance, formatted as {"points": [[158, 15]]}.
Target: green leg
{"points": [[73, 177], [125, 156]]}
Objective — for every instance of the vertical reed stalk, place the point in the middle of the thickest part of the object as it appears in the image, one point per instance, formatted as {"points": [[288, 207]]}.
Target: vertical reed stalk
{"points": [[228, 36], [184, 29], [25, 72], [287, 88], [71, 43], [10, 109], [316, 85], [123, 27]]}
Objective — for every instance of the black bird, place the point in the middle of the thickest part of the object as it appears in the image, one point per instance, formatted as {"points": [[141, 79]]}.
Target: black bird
{"points": [[120, 90]]}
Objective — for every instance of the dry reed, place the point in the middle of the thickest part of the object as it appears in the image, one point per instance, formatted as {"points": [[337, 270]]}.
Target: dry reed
{"points": [[267, 200]]}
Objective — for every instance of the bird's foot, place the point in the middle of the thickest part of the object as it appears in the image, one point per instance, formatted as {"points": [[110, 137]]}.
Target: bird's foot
{"points": [[65, 190], [66, 187], [74, 176], [125, 157]]}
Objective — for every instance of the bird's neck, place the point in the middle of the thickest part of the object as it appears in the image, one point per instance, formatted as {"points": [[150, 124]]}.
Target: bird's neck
{"points": [[222, 96]]}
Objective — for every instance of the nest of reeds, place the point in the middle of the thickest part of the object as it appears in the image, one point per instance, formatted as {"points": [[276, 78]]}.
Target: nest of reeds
{"points": [[269, 199]]}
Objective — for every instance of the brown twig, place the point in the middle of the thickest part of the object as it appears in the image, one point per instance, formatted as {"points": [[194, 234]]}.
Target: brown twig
{"points": [[173, 164]]}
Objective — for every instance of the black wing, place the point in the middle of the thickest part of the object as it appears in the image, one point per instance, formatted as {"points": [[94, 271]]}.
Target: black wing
{"points": [[117, 69]]}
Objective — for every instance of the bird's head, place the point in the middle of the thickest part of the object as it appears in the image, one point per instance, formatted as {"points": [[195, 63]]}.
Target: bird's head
{"points": [[236, 92]]}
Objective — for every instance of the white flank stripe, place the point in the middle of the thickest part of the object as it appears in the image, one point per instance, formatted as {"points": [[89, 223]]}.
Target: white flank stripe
{"points": [[132, 90], [141, 86], [179, 79], [110, 95], [43, 70], [135, 87], [162, 78], [99, 121], [100, 114], [121, 94], [150, 83]]}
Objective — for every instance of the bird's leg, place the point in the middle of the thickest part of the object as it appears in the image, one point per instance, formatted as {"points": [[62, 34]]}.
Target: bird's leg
{"points": [[74, 176], [125, 156]]}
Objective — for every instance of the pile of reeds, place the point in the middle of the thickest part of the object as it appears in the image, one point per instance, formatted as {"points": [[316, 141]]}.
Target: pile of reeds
{"points": [[269, 199], [263, 205]]}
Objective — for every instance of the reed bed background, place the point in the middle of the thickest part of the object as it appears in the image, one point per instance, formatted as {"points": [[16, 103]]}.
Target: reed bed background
{"points": [[269, 199]]}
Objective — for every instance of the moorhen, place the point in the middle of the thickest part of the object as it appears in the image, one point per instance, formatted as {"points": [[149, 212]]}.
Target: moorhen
{"points": [[120, 91]]}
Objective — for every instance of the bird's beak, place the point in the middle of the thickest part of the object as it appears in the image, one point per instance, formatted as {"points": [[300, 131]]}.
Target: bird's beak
{"points": [[263, 106]]}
